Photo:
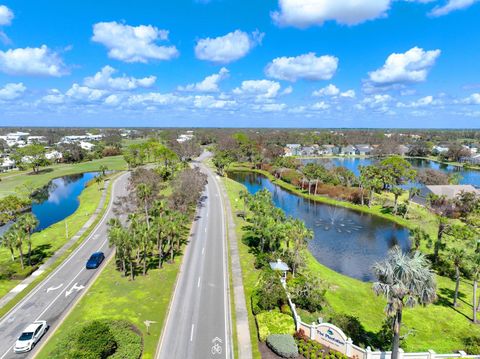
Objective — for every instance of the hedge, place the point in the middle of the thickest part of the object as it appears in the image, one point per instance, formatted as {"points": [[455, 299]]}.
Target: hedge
{"points": [[274, 322]]}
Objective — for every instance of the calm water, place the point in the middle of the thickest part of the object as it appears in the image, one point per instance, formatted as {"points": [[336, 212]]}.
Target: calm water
{"points": [[346, 241], [467, 176], [59, 199]]}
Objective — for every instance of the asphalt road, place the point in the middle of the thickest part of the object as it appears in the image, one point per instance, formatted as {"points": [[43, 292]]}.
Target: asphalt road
{"points": [[198, 324], [51, 299]]}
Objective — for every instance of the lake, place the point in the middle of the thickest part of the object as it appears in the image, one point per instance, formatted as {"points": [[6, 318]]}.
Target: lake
{"points": [[345, 240], [57, 200], [468, 176]]}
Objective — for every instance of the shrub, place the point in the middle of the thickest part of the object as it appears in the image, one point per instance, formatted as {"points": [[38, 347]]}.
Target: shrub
{"points": [[113, 339], [270, 292], [283, 345], [472, 345], [307, 292], [274, 322]]}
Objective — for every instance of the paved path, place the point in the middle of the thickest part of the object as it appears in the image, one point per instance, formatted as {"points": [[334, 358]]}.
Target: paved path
{"points": [[53, 297], [198, 322], [241, 317], [23, 284]]}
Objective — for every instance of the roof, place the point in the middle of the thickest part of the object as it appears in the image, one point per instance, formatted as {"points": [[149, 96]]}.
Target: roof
{"points": [[452, 191], [364, 147], [279, 265]]}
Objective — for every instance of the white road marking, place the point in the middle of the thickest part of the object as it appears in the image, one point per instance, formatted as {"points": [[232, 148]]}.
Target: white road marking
{"points": [[203, 250], [50, 289], [75, 287], [191, 333], [205, 229], [198, 284]]}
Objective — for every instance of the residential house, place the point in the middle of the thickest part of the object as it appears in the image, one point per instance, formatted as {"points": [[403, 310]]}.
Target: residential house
{"points": [[87, 146], [363, 150], [328, 150], [348, 151], [7, 164], [185, 137], [36, 140], [54, 156], [440, 149], [448, 191], [292, 149], [402, 150]]}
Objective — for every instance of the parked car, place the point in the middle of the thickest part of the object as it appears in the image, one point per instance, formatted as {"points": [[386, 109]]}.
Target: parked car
{"points": [[95, 260], [30, 336]]}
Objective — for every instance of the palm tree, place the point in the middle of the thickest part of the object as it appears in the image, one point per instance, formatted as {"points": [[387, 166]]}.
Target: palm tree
{"points": [[457, 255], [475, 276], [405, 280], [397, 192], [18, 237], [103, 169], [299, 234], [8, 241], [144, 194], [29, 222], [443, 226]]}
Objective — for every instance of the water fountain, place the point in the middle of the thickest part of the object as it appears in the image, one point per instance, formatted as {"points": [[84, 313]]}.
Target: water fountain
{"points": [[335, 223]]}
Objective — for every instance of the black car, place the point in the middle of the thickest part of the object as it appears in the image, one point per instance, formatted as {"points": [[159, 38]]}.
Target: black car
{"points": [[95, 260]]}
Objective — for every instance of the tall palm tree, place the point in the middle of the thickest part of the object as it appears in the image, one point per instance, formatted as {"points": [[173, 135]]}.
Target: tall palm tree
{"points": [[300, 235], [144, 194], [103, 169], [457, 255], [8, 241], [19, 236], [29, 222], [405, 280], [443, 226], [475, 260]]}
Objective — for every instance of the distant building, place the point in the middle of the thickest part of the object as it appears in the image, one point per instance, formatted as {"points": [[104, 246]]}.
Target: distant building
{"points": [[447, 191], [54, 156], [328, 150], [15, 139], [7, 164], [292, 149], [87, 146], [185, 137], [402, 150], [440, 149], [363, 150], [348, 151], [36, 140]]}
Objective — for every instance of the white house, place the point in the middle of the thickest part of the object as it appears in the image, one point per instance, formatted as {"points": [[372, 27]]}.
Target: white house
{"points": [[54, 156], [7, 164], [36, 139], [363, 150], [348, 151], [440, 149], [292, 149], [86, 145]]}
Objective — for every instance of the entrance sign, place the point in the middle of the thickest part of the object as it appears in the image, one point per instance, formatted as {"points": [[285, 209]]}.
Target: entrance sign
{"points": [[332, 336]]}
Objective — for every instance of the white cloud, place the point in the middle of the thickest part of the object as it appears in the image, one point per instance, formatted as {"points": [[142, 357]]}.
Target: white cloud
{"points": [[270, 107], [473, 99], [84, 93], [211, 102], [133, 43], [6, 15], [377, 103], [322, 105], [12, 91], [409, 67], [227, 48], [209, 83], [304, 13], [307, 66], [55, 97], [261, 89], [112, 100], [104, 80], [421, 102], [156, 98], [287, 91], [450, 6], [32, 61], [333, 91]]}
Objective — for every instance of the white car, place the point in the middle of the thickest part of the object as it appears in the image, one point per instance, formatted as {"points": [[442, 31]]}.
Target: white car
{"points": [[30, 336]]}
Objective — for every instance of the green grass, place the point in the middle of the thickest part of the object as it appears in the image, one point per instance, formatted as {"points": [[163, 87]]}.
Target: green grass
{"points": [[59, 260], [439, 326], [115, 297], [48, 241], [22, 182], [249, 274]]}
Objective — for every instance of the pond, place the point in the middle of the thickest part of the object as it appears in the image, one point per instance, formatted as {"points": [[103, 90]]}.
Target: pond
{"points": [[468, 176], [345, 240], [57, 200]]}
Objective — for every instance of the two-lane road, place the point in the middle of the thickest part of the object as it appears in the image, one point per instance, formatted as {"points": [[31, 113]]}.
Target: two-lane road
{"points": [[198, 324], [52, 298]]}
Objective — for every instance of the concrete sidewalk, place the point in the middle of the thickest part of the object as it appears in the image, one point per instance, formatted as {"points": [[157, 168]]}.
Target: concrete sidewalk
{"points": [[26, 282], [241, 314]]}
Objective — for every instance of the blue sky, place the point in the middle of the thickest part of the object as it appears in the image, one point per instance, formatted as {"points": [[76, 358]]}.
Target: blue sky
{"points": [[242, 63]]}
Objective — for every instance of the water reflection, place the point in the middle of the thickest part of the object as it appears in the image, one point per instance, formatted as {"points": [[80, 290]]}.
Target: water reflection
{"points": [[346, 241]]}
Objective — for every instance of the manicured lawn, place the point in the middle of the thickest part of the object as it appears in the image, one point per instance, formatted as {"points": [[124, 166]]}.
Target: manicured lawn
{"points": [[439, 326], [115, 297], [48, 241], [249, 274], [25, 182]]}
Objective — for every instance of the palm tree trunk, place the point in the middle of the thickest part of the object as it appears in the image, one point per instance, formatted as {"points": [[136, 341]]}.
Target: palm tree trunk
{"points": [[29, 249], [397, 324], [21, 256], [438, 243], [12, 253], [474, 306], [316, 187], [124, 265], [132, 274], [457, 285]]}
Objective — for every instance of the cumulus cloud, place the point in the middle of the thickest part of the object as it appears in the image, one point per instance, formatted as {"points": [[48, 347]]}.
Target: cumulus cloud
{"points": [[156, 98], [133, 43], [473, 99], [209, 83], [84, 93], [333, 91], [210, 102], [307, 66], [227, 48], [421, 102], [261, 89], [409, 67], [304, 13], [12, 91], [322, 105], [32, 61], [104, 80], [270, 107], [6, 16], [54, 97], [452, 5]]}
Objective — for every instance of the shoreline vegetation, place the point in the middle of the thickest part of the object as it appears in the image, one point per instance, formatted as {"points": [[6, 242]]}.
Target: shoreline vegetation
{"points": [[440, 327]]}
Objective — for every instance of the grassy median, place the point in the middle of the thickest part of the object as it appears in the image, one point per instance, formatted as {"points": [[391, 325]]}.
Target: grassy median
{"points": [[438, 326]]}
